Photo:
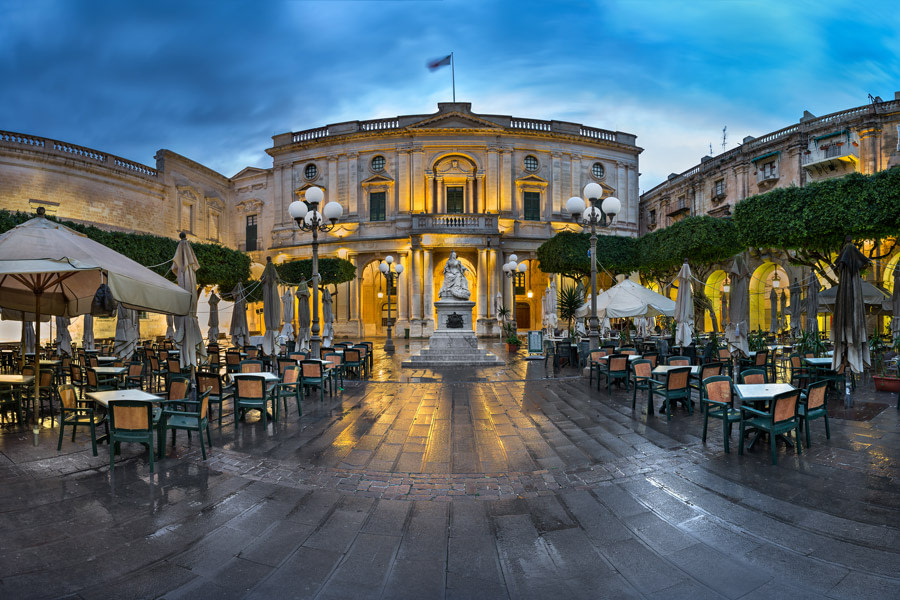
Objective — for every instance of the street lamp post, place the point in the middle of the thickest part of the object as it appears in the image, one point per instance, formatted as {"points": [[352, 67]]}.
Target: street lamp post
{"points": [[595, 217], [391, 276], [511, 269], [308, 218]]}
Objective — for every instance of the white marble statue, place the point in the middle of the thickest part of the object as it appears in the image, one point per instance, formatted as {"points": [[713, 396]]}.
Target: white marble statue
{"points": [[455, 284]]}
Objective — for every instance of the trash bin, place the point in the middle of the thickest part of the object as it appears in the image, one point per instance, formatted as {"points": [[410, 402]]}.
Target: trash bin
{"points": [[406, 332]]}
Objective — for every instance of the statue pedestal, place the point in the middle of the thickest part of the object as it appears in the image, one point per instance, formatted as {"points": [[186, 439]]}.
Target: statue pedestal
{"points": [[453, 343]]}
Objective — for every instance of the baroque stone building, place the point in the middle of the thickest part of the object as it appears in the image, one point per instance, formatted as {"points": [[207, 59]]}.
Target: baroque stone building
{"points": [[414, 186], [864, 139]]}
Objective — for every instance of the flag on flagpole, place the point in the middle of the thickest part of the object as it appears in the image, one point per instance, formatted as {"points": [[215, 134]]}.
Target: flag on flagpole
{"points": [[437, 63]]}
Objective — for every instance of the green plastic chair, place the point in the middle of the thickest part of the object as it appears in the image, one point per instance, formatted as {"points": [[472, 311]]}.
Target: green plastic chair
{"points": [[176, 415], [594, 363], [717, 402], [780, 419], [336, 370], [674, 388], [133, 422], [813, 405], [312, 372], [754, 376], [288, 388], [75, 413], [250, 393], [218, 393], [641, 374], [616, 369], [353, 362]]}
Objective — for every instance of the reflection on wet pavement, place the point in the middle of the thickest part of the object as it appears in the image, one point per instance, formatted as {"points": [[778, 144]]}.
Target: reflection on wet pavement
{"points": [[515, 481]]}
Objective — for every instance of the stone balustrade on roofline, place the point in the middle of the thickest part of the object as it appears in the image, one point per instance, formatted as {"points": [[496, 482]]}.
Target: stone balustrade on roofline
{"points": [[67, 150], [402, 122], [454, 223], [806, 125]]}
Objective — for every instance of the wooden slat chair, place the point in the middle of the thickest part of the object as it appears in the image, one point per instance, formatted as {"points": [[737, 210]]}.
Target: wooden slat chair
{"points": [[251, 366], [252, 352], [94, 384], [813, 405], [353, 362], [186, 414], [780, 419], [158, 374], [706, 370], [717, 402], [370, 353], [653, 357], [641, 374], [800, 375], [76, 378], [312, 372], [232, 361], [674, 388], [288, 388], [134, 379], [173, 368], [754, 376], [131, 421], [250, 393], [75, 413], [298, 356], [616, 370], [218, 394], [11, 401], [335, 370], [594, 363], [283, 363], [679, 361], [365, 357], [47, 393]]}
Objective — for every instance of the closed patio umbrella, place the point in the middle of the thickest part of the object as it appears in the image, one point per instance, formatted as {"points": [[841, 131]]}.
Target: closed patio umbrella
{"points": [[849, 331], [287, 309], [127, 335], [63, 337], [271, 307], [784, 311], [724, 310], [796, 318], [87, 337], [170, 327], [812, 304], [684, 308], [773, 303], [895, 303], [327, 318], [188, 336], [240, 334], [303, 318], [28, 337], [213, 322], [739, 310]]}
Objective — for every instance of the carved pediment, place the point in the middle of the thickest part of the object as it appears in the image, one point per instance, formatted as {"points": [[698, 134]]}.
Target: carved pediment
{"points": [[215, 203], [377, 180], [249, 172], [531, 181], [249, 205], [453, 166], [188, 193], [454, 120]]}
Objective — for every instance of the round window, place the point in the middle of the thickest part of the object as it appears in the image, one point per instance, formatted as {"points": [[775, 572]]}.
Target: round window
{"points": [[310, 171], [598, 171], [531, 163], [378, 163]]}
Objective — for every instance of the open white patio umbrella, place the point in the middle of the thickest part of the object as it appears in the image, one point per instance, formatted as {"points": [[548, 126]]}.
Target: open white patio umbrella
{"points": [[287, 310], [773, 302], [739, 311], [684, 308], [849, 331], [629, 299], [239, 332], [63, 337], [188, 336], [812, 304], [213, 322], [895, 303], [303, 318], [796, 310], [47, 268], [271, 307], [127, 333], [327, 318]]}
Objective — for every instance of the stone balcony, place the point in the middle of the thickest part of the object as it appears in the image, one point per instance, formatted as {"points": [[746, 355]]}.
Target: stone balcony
{"points": [[455, 224]]}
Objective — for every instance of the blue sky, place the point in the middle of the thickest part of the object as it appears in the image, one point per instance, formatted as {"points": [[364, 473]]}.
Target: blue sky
{"points": [[214, 80]]}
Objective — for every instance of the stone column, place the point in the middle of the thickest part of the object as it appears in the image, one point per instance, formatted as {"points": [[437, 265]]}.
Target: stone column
{"points": [[491, 194], [353, 186], [441, 196], [355, 287], [507, 202], [403, 293], [332, 192], [415, 302], [427, 293], [429, 194], [469, 198], [483, 307], [404, 200], [482, 206]]}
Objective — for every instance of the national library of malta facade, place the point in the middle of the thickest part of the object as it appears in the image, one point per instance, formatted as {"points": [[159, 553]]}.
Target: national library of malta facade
{"points": [[415, 187]]}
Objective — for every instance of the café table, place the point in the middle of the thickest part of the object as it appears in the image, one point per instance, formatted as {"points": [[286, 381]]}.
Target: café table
{"points": [[110, 372], [818, 365], [107, 359], [104, 398], [270, 379], [663, 369]]}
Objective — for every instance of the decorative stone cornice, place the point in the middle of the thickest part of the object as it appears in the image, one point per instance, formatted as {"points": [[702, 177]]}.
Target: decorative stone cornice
{"points": [[249, 205]]}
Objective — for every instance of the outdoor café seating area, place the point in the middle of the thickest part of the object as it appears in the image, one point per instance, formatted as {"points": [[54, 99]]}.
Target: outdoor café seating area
{"points": [[98, 397]]}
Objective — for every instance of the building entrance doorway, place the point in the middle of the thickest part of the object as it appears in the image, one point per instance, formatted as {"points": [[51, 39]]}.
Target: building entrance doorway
{"points": [[523, 315]]}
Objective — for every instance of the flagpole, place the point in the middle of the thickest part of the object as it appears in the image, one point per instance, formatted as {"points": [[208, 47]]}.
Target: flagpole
{"points": [[453, 75]]}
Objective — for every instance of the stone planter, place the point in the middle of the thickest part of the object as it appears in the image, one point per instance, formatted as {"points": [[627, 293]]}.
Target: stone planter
{"points": [[887, 384], [512, 347]]}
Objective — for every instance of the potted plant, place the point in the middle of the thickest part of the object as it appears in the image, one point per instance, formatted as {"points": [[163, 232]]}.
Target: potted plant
{"points": [[809, 343], [882, 349], [757, 340], [509, 330]]}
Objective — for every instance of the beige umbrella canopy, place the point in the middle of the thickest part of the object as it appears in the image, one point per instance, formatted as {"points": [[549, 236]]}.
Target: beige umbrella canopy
{"points": [[187, 328], [303, 333], [684, 308], [63, 337], [849, 331], [327, 318], [271, 307], [795, 314], [287, 310], [87, 338], [240, 334], [773, 317], [812, 304], [895, 303], [47, 268], [127, 333], [737, 331], [213, 322]]}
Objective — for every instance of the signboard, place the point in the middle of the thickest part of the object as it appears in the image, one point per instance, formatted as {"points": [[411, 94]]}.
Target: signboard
{"points": [[535, 342]]}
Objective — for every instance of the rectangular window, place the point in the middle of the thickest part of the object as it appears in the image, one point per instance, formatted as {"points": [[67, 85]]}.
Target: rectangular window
{"points": [[251, 244], [213, 226], [653, 218], [532, 205], [720, 187], [455, 200], [376, 206], [187, 217], [519, 284], [770, 170]]}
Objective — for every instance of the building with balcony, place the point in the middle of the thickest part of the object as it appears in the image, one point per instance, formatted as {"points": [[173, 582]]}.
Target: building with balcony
{"points": [[865, 139], [415, 187]]}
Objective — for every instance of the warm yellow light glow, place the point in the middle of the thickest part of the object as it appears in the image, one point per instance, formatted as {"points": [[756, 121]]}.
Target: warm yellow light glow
{"points": [[530, 294]]}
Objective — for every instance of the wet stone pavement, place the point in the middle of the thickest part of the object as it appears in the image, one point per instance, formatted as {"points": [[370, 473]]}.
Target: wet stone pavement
{"points": [[509, 482]]}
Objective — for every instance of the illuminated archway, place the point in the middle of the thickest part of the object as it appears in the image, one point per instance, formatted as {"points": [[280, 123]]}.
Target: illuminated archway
{"points": [[761, 283], [714, 290]]}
